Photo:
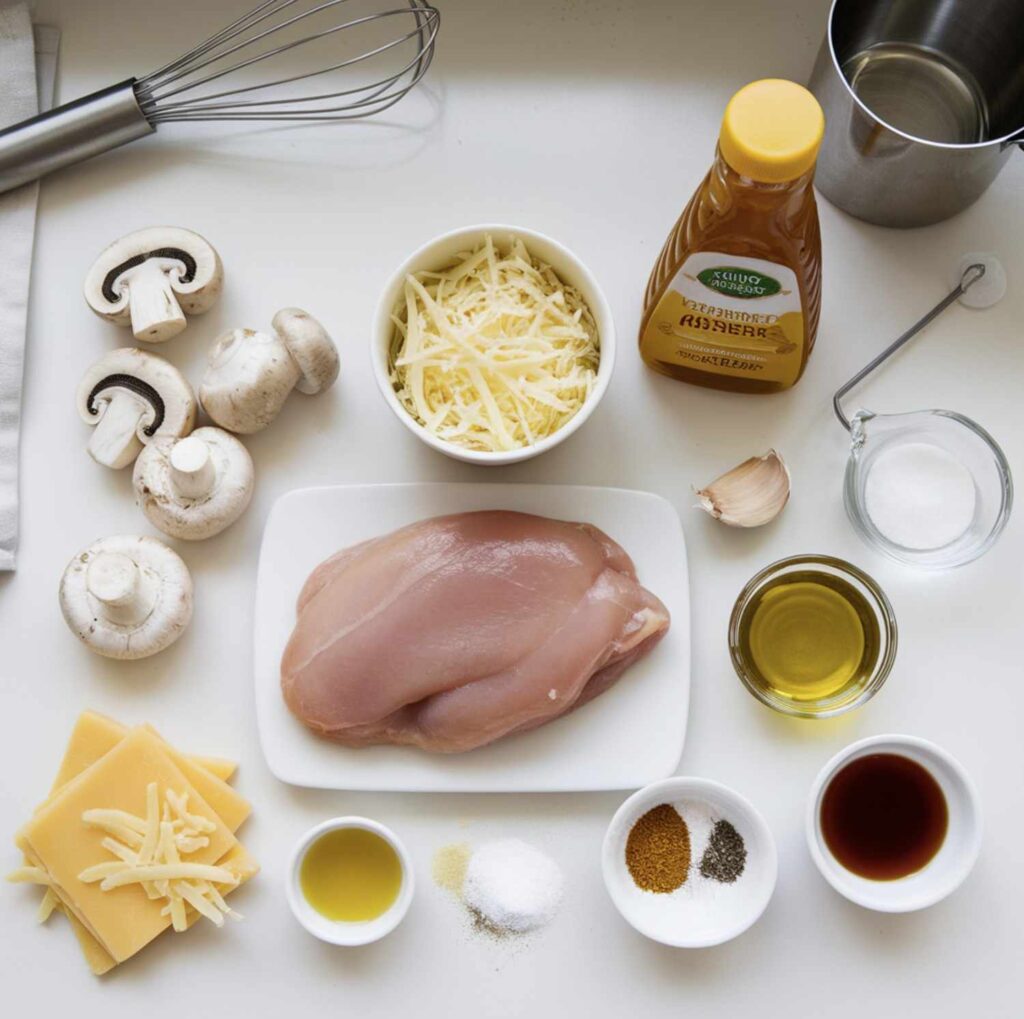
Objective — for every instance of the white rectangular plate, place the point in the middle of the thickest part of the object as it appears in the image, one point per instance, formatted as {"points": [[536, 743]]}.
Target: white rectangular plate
{"points": [[629, 736]]}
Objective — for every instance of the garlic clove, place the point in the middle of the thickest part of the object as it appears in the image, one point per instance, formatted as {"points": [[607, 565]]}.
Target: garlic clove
{"points": [[751, 494]]}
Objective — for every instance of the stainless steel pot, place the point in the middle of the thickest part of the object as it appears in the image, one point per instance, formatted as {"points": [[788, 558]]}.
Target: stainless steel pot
{"points": [[923, 101]]}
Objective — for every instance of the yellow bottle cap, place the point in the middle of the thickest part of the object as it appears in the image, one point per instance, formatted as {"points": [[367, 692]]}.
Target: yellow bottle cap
{"points": [[772, 130]]}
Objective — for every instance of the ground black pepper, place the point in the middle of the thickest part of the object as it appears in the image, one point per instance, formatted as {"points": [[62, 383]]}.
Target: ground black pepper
{"points": [[726, 854]]}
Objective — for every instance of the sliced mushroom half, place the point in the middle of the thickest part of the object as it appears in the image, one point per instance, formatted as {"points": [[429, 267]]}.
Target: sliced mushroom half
{"points": [[152, 279], [250, 374], [129, 397], [194, 487], [127, 596]]}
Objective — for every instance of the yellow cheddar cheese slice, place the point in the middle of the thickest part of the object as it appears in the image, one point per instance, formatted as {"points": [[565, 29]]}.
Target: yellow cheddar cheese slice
{"points": [[125, 919], [95, 735], [220, 767], [100, 961], [227, 804]]}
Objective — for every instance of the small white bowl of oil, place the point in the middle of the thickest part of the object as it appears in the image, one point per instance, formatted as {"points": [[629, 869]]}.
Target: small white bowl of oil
{"points": [[350, 881], [709, 907], [893, 823]]}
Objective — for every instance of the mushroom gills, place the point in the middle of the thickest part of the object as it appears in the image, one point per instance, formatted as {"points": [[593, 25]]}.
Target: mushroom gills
{"points": [[129, 397], [152, 279], [155, 312], [132, 407], [187, 274]]}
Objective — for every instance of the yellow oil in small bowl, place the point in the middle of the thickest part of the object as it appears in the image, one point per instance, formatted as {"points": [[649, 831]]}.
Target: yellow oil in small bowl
{"points": [[812, 636], [351, 875]]}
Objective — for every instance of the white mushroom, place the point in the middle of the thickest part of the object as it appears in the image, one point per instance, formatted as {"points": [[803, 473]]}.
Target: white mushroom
{"points": [[152, 279], [193, 488], [127, 596], [250, 374], [130, 397]]}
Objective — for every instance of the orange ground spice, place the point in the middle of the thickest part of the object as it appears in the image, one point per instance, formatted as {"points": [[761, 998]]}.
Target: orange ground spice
{"points": [[658, 850]]}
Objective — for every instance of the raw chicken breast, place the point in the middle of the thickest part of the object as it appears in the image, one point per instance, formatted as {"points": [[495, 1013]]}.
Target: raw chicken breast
{"points": [[453, 632]]}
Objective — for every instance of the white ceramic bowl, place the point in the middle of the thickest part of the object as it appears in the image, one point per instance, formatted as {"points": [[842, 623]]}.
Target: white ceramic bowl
{"points": [[701, 913], [954, 860], [437, 253], [339, 932]]}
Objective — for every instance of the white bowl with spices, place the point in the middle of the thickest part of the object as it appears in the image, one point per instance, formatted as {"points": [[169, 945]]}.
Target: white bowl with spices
{"points": [[689, 862], [548, 386]]}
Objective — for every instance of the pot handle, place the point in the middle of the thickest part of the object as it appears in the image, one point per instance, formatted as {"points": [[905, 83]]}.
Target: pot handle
{"points": [[1017, 139]]}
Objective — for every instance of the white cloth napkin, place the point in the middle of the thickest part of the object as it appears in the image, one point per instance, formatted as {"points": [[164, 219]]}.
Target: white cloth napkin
{"points": [[20, 97]]}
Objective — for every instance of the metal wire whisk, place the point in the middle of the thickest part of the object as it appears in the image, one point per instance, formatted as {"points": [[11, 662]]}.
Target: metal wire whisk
{"points": [[188, 88]]}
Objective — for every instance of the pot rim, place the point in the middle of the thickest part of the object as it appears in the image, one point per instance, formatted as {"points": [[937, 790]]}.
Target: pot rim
{"points": [[1014, 137]]}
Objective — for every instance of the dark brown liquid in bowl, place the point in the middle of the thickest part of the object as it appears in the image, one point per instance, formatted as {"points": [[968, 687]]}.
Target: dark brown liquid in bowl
{"points": [[883, 816]]}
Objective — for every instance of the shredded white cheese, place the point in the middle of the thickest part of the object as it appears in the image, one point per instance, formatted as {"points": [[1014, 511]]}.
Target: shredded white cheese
{"points": [[47, 904], [37, 876], [29, 875], [149, 853], [495, 352]]}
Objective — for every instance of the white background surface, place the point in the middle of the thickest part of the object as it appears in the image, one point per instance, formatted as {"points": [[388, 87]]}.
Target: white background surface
{"points": [[592, 122]]}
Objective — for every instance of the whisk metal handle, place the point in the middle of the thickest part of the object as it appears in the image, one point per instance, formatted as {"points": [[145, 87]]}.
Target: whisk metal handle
{"points": [[70, 133]]}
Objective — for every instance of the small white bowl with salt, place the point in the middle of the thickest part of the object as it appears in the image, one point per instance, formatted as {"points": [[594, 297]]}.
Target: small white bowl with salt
{"points": [[728, 865]]}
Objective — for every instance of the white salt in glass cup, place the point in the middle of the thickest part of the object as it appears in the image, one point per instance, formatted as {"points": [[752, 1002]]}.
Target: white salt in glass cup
{"points": [[703, 912], [438, 253], [341, 932], [958, 437], [945, 872]]}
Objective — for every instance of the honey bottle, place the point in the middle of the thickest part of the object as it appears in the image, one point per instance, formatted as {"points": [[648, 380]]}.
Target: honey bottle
{"points": [[734, 298]]}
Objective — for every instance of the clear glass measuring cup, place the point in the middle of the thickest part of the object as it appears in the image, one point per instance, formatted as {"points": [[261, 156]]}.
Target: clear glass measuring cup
{"points": [[940, 440]]}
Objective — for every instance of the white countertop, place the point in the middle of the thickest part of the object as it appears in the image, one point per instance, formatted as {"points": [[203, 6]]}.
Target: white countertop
{"points": [[592, 122]]}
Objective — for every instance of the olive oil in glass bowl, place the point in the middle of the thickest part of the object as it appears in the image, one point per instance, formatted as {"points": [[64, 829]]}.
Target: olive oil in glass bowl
{"points": [[812, 636]]}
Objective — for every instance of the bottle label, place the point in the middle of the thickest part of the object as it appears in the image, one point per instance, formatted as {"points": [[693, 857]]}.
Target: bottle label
{"points": [[730, 315]]}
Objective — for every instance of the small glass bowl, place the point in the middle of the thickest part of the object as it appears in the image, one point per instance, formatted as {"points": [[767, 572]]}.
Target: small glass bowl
{"points": [[848, 698], [961, 438]]}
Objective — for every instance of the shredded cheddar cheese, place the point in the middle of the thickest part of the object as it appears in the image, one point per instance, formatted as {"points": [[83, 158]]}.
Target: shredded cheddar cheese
{"points": [[148, 852], [495, 352]]}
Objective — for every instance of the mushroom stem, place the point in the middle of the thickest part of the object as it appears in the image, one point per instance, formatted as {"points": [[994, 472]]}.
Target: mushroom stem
{"points": [[114, 441], [156, 314], [125, 593], [192, 472]]}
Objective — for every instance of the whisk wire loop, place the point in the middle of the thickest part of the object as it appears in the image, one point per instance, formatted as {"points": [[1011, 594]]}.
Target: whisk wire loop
{"points": [[377, 69], [295, 77], [375, 90], [163, 94], [246, 22]]}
